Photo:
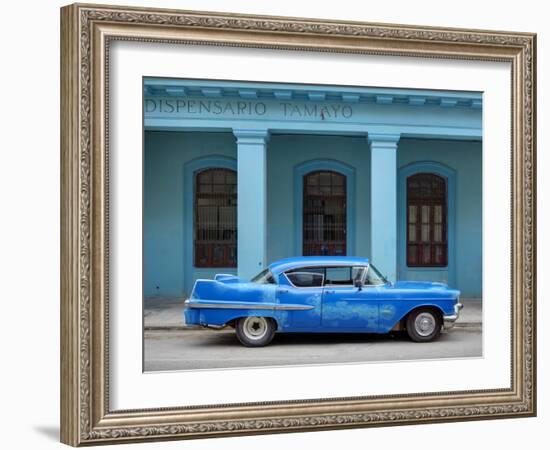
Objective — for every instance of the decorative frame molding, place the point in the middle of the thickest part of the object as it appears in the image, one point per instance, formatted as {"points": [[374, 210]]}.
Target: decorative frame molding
{"points": [[86, 33]]}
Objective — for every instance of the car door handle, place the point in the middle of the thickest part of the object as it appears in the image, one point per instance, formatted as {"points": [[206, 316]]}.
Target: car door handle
{"points": [[330, 292], [283, 291]]}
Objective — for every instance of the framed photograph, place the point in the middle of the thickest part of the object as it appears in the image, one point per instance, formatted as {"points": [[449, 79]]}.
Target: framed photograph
{"points": [[276, 224]]}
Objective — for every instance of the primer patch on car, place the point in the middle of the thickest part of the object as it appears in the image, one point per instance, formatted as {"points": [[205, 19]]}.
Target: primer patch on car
{"points": [[342, 312], [387, 311]]}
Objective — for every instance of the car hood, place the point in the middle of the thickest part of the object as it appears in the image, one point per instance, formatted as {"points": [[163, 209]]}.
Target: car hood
{"points": [[429, 288]]}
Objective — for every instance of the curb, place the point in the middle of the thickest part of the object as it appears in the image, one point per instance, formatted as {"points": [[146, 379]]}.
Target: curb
{"points": [[464, 325], [468, 325], [172, 327]]}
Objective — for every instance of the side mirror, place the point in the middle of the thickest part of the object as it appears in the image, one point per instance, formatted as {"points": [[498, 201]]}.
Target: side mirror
{"points": [[358, 284]]}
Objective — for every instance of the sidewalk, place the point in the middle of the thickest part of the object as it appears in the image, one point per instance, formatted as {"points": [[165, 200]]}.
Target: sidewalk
{"points": [[472, 314], [167, 312], [163, 312]]}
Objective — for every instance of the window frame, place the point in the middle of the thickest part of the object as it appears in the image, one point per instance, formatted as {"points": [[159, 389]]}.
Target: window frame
{"points": [[431, 202], [226, 260], [342, 242]]}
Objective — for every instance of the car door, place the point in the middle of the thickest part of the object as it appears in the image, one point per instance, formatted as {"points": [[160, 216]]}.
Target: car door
{"points": [[347, 307], [303, 289]]}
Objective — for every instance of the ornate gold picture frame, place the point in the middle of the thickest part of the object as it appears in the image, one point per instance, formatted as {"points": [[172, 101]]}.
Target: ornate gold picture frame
{"points": [[87, 31]]}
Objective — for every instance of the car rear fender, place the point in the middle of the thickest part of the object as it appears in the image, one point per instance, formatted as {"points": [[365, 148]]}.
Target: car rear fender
{"points": [[219, 290]]}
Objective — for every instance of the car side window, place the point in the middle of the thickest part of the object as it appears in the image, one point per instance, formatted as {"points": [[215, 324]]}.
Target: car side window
{"points": [[343, 276], [358, 274], [305, 278], [339, 276], [325, 276]]}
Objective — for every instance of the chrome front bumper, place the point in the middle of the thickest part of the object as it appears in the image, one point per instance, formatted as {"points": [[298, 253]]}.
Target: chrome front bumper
{"points": [[449, 321]]}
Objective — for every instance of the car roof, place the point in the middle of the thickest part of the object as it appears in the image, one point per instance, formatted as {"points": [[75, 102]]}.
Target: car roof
{"points": [[315, 261]]}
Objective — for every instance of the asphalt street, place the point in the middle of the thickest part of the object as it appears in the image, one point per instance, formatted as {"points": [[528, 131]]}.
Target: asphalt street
{"points": [[209, 349]]}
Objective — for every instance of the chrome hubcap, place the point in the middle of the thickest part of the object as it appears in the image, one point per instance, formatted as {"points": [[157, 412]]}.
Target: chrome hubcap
{"points": [[425, 324], [255, 327]]}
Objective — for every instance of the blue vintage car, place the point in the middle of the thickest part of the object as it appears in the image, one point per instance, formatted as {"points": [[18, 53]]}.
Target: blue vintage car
{"points": [[321, 294]]}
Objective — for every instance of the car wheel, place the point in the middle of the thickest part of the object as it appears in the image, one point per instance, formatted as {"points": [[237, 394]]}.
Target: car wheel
{"points": [[423, 325], [255, 331]]}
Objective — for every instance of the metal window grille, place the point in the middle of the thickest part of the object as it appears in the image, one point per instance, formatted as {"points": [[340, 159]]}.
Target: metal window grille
{"points": [[426, 220], [215, 230], [324, 214]]}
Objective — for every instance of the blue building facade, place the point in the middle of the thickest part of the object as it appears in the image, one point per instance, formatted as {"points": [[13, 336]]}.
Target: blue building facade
{"points": [[238, 175]]}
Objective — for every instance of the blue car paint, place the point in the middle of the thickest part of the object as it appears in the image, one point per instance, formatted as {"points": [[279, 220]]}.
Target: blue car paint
{"points": [[371, 309]]}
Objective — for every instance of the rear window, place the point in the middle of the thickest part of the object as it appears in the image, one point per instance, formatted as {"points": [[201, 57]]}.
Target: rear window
{"points": [[264, 277]]}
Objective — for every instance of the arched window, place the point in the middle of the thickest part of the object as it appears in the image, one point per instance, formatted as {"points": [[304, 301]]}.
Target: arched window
{"points": [[324, 213], [215, 210], [426, 220]]}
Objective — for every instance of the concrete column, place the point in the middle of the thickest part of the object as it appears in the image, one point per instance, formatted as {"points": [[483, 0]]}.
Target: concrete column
{"points": [[383, 191], [251, 201]]}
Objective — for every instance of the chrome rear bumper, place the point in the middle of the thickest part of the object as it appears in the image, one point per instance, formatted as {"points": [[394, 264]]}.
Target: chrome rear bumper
{"points": [[449, 321]]}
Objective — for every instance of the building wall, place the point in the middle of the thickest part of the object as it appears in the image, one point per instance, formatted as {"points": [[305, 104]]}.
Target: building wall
{"points": [[285, 152], [465, 158], [164, 233], [166, 225]]}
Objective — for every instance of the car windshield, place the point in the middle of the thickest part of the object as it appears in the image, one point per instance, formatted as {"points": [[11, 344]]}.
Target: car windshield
{"points": [[374, 277], [264, 277]]}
